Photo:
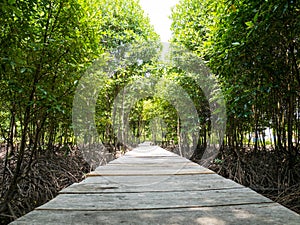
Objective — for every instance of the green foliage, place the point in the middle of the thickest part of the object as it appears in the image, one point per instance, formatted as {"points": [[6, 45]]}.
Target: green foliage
{"points": [[253, 49], [120, 22], [192, 23], [46, 45]]}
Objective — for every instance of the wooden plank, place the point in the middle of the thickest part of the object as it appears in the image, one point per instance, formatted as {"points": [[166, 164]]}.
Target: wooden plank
{"points": [[147, 173], [150, 160], [155, 180], [152, 166], [148, 180], [149, 167], [269, 214], [165, 184], [158, 170], [154, 200]]}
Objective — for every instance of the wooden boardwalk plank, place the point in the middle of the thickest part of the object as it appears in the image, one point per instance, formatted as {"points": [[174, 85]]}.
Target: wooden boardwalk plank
{"points": [[135, 184], [267, 214], [150, 185], [195, 181], [154, 200]]}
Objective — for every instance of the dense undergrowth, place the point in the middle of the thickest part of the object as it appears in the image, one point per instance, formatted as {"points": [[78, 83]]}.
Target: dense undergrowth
{"points": [[266, 172], [47, 175]]}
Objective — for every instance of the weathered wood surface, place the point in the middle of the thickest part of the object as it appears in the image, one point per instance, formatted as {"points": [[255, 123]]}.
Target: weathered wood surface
{"points": [[150, 185]]}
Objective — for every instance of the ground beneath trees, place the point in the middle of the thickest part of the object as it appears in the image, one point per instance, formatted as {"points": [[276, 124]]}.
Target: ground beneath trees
{"points": [[49, 173], [265, 172]]}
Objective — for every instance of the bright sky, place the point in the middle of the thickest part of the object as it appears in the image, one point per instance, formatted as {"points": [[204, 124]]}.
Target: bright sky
{"points": [[158, 12]]}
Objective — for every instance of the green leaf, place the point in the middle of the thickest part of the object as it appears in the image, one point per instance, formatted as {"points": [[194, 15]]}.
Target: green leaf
{"points": [[249, 24], [255, 17]]}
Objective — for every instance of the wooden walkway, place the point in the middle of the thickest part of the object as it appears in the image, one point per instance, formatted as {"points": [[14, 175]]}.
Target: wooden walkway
{"points": [[150, 185]]}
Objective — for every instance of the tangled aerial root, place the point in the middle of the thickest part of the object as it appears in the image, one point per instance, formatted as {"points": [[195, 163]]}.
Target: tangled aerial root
{"points": [[45, 178], [266, 172]]}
